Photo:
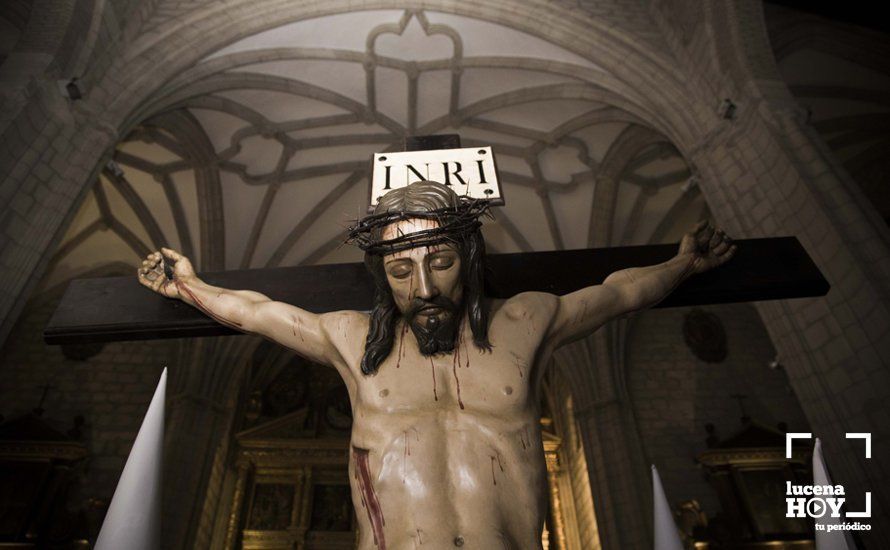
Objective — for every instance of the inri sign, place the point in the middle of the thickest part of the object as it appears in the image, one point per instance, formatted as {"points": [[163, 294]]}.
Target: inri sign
{"points": [[469, 171]]}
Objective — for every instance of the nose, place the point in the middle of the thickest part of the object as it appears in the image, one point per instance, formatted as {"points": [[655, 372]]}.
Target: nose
{"points": [[426, 290]]}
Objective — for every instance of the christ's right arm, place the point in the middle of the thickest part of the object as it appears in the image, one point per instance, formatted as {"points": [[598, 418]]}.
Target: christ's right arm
{"points": [[305, 332]]}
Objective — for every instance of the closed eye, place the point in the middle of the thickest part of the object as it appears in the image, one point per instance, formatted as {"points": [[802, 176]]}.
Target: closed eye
{"points": [[400, 271], [442, 262]]}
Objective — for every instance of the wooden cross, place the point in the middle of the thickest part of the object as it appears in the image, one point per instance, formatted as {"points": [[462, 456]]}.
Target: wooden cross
{"points": [[119, 308]]}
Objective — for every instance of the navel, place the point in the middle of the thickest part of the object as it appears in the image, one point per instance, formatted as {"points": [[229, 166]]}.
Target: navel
{"points": [[384, 392], [508, 390]]}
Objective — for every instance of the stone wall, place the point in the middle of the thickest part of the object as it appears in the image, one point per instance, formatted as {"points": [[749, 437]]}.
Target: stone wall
{"points": [[674, 393], [111, 390]]}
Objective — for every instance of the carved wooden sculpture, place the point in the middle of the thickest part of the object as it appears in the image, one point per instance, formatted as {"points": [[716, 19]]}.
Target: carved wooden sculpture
{"points": [[444, 383]]}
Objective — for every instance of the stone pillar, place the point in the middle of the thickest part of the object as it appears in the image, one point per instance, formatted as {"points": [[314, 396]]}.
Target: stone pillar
{"points": [[768, 174], [237, 504], [195, 428], [23, 72], [619, 494], [200, 418], [551, 455], [47, 161], [615, 463]]}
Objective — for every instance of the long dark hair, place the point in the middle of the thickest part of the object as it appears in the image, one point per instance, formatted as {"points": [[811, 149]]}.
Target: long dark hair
{"points": [[424, 197]]}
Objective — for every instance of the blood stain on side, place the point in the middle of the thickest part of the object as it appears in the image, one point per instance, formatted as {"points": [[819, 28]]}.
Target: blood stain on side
{"points": [[369, 496]]}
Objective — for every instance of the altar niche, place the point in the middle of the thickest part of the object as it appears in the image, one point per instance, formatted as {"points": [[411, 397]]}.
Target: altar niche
{"points": [[291, 487]]}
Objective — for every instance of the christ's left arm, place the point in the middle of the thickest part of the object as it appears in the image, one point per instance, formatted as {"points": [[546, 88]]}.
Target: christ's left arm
{"points": [[630, 290]]}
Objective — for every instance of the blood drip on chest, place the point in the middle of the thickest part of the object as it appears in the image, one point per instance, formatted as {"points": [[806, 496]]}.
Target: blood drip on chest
{"points": [[457, 381], [369, 496], [455, 363], [495, 458], [407, 434]]}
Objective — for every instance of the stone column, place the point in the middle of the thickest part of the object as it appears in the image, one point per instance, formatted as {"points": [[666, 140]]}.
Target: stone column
{"points": [[47, 161], [768, 174], [237, 504], [618, 479], [200, 419], [559, 530]]}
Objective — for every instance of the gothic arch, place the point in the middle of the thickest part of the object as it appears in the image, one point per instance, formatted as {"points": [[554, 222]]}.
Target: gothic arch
{"points": [[756, 170], [119, 83], [632, 69]]}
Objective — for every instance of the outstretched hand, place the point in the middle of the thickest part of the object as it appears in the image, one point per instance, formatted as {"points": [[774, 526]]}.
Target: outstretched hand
{"points": [[710, 247], [158, 267]]}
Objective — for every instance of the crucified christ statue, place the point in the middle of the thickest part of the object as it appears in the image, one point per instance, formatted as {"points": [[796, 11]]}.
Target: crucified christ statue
{"points": [[445, 384]]}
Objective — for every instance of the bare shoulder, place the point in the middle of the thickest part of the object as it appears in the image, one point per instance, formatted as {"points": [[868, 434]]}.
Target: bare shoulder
{"points": [[345, 331], [343, 326], [530, 305]]}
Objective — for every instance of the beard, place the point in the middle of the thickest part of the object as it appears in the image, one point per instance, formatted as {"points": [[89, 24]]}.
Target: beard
{"points": [[440, 331]]}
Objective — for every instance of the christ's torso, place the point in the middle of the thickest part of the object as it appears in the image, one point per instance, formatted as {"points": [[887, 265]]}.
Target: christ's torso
{"points": [[446, 451]]}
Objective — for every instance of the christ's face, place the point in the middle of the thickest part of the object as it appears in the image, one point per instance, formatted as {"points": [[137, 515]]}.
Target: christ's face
{"points": [[426, 286]]}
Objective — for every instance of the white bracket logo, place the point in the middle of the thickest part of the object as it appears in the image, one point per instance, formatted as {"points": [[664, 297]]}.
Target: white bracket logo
{"points": [[866, 437], [791, 436]]}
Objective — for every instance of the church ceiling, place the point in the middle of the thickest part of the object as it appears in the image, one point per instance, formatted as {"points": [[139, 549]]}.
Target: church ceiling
{"points": [[258, 155], [840, 74], [14, 16]]}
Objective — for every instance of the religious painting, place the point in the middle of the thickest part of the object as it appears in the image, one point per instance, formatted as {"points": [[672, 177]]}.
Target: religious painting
{"points": [[272, 507], [331, 508], [762, 491]]}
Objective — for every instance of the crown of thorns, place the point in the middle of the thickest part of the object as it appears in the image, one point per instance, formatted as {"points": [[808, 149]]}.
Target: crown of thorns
{"points": [[454, 224]]}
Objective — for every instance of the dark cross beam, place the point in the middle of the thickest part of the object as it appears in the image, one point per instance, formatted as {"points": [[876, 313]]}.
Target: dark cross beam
{"points": [[119, 308]]}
